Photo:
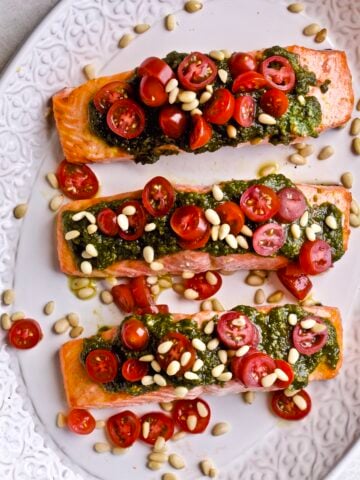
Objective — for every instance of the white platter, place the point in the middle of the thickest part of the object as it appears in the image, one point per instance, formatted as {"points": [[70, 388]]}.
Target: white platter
{"points": [[77, 33]]}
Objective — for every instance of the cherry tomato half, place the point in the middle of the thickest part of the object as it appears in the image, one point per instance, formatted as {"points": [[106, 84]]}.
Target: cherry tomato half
{"points": [[24, 334], [107, 222], [160, 426], [307, 341], [315, 257], [134, 334], [292, 204], [288, 370], [136, 222], [152, 92], [123, 428], [158, 196], [278, 72], [285, 407], [123, 297], [254, 367], [240, 62], [274, 102], [201, 132], [111, 93], [173, 121], [189, 222], [248, 81], [141, 291], [295, 280], [196, 71], [77, 182], [220, 107], [244, 110], [268, 239], [152, 309], [236, 363], [259, 203], [181, 344], [235, 329], [184, 408], [126, 118], [231, 214], [157, 68], [199, 242], [133, 370], [102, 365], [200, 284], [80, 421]]}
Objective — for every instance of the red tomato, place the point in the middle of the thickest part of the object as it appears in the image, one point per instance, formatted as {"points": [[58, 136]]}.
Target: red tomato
{"points": [[315, 257], [160, 426], [107, 223], [155, 67], [274, 102], [123, 428], [284, 407], [200, 284], [151, 309], [200, 134], [231, 214], [306, 341], [133, 370], [220, 107], [268, 239], [248, 81], [134, 334], [236, 363], [196, 71], [173, 121], [240, 63], [136, 222], [287, 369], [102, 365], [141, 291], [126, 118], [184, 408], [235, 329], [259, 203], [80, 421], [158, 196], [77, 181], [123, 297], [281, 75], [189, 222], [24, 334], [292, 204], [181, 344], [254, 367], [152, 92], [244, 110], [293, 278], [110, 93], [199, 242]]}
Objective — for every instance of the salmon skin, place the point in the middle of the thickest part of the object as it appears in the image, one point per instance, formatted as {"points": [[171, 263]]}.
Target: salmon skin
{"points": [[81, 145], [82, 392]]}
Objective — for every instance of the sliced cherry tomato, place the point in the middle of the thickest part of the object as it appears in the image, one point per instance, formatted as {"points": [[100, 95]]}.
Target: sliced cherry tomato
{"points": [[136, 222], [24, 334], [123, 297], [107, 223], [173, 121], [184, 408], [151, 309], [200, 134], [200, 284], [111, 93], [134, 334], [77, 182], [199, 242], [133, 370], [141, 291], [236, 363], [152, 92], [315, 257], [235, 329], [220, 107], [244, 110], [254, 367], [196, 71], [189, 222], [248, 81], [181, 344], [126, 118], [102, 365], [285, 407], [123, 428], [274, 102], [240, 62], [288, 370], [268, 239], [80, 421], [155, 67], [231, 214], [295, 280], [259, 203], [158, 196], [160, 426], [308, 342], [278, 72], [292, 204]]}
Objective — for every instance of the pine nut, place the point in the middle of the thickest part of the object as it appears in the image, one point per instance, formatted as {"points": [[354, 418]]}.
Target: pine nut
{"points": [[224, 231], [60, 420], [217, 305], [123, 222], [156, 266], [187, 274], [354, 220], [159, 380], [231, 131], [181, 392], [355, 127], [299, 146], [154, 465], [125, 40], [211, 278], [209, 327], [307, 324], [85, 255], [178, 436], [297, 159], [326, 152], [5, 321], [171, 84], [185, 358], [218, 370], [129, 210], [295, 231], [60, 326], [160, 444], [187, 107], [217, 192], [246, 231], [318, 328], [307, 151], [165, 347], [191, 376], [301, 100], [178, 288], [311, 29], [145, 429], [101, 447], [295, 7], [91, 250], [254, 280], [225, 377], [55, 202], [100, 424], [176, 461], [77, 283], [8, 297], [169, 476], [215, 230], [310, 234], [213, 344], [173, 95], [220, 429], [223, 356], [240, 352], [147, 358], [72, 234], [293, 356], [290, 393], [17, 316], [158, 457], [191, 422], [204, 97], [242, 242], [212, 216], [147, 380], [20, 210], [223, 74], [150, 227], [198, 344], [90, 217], [173, 368], [315, 228], [141, 28], [205, 467], [191, 294], [321, 36], [119, 450], [292, 319], [249, 397], [106, 297], [304, 219], [193, 6], [275, 297], [206, 306], [269, 380], [259, 297], [226, 52], [148, 254], [347, 179], [86, 267], [266, 119], [187, 96], [281, 375], [164, 283], [73, 319], [217, 55], [89, 71], [52, 180], [354, 207], [331, 222], [167, 407], [268, 169], [76, 332], [300, 402]]}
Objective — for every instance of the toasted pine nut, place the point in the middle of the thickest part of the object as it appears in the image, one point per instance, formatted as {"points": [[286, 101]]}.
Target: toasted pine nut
{"points": [[356, 145], [249, 397], [295, 7], [100, 424], [347, 179], [169, 476], [204, 97], [154, 465], [275, 297], [60, 420], [170, 22], [52, 180], [266, 119], [217, 55], [101, 447], [158, 457], [178, 436], [61, 325], [119, 450], [167, 406], [193, 6], [125, 40], [181, 392], [8, 296], [220, 429], [20, 210], [311, 29], [259, 296], [76, 331], [231, 131], [5, 321], [297, 159], [254, 280], [355, 127], [176, 461], [321, 36], [217, 305], [17, 316], [73, 319], [89, 71], [141, 28], [106, 297], [191, 294], [326, 152], [268, 169], [307, 151]]}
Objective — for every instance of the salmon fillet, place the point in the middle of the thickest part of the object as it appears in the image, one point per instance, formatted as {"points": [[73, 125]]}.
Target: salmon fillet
{"points": [[80, 145], [81, 392], [193, 260]]}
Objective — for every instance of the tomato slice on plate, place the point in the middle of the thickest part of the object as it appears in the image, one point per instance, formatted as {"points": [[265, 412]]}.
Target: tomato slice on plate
{"points": [[152, 309], [259, 203], [160, 426], [231, 213], [295, 280], [244, 110], [181, 344], [307, 341], [249, 81], [236, 363], [123, 428], [315, 257], [196, 71], [274, 102], [136, 222], [268, 239], [107, 223], [123, 297], [111, 93], [24, 334], [288, 370], [134, 334], [201, 132], [189, 222], [254, 367], [173, 121], [157, 68], [278, 72], [133, 370], [152, 92], [199, 242], [141, 291], [235, 329], [80, 421], [292, 204], [102, 365], [220, 107], [158, 196], [126, 118], [77, 182], [285, 407], [200, 284], [240, 62], [184, 408]]}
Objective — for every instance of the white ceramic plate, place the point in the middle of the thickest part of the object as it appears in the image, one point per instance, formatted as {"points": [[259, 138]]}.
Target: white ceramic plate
{"points": [[77, 33]]}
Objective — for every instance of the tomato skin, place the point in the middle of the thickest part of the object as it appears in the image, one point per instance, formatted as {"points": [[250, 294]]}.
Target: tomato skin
{"points": [[102, 365], [283, 78], [248, 81], [158, 196], [201, 285], [268, 239], [236, 363], [254, 367], [134, 334], [288, 370], [274, 102], [156, 67], [151, 309], [24, 334], [308, 342], [233, 335], [259, 203], [160, 425], [126, 118], [231, 214], [189, 222], [201, 132], [244, 110], [181, 344], [123, 428], [133, 370], [292, 204], [110, 93], [295, 280], [123, 297], [183, 408], [77, 182], [199, 242], [152, 92], [315, 257], [173, 121], [141, 292], [240, 62], [220, 107], [284, 407], [80, 421], [136, 222], [196, 71], [107, 223]]}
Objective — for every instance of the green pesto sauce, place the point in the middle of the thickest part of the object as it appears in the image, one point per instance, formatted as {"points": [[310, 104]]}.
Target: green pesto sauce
{"points": [[299, 120]]}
